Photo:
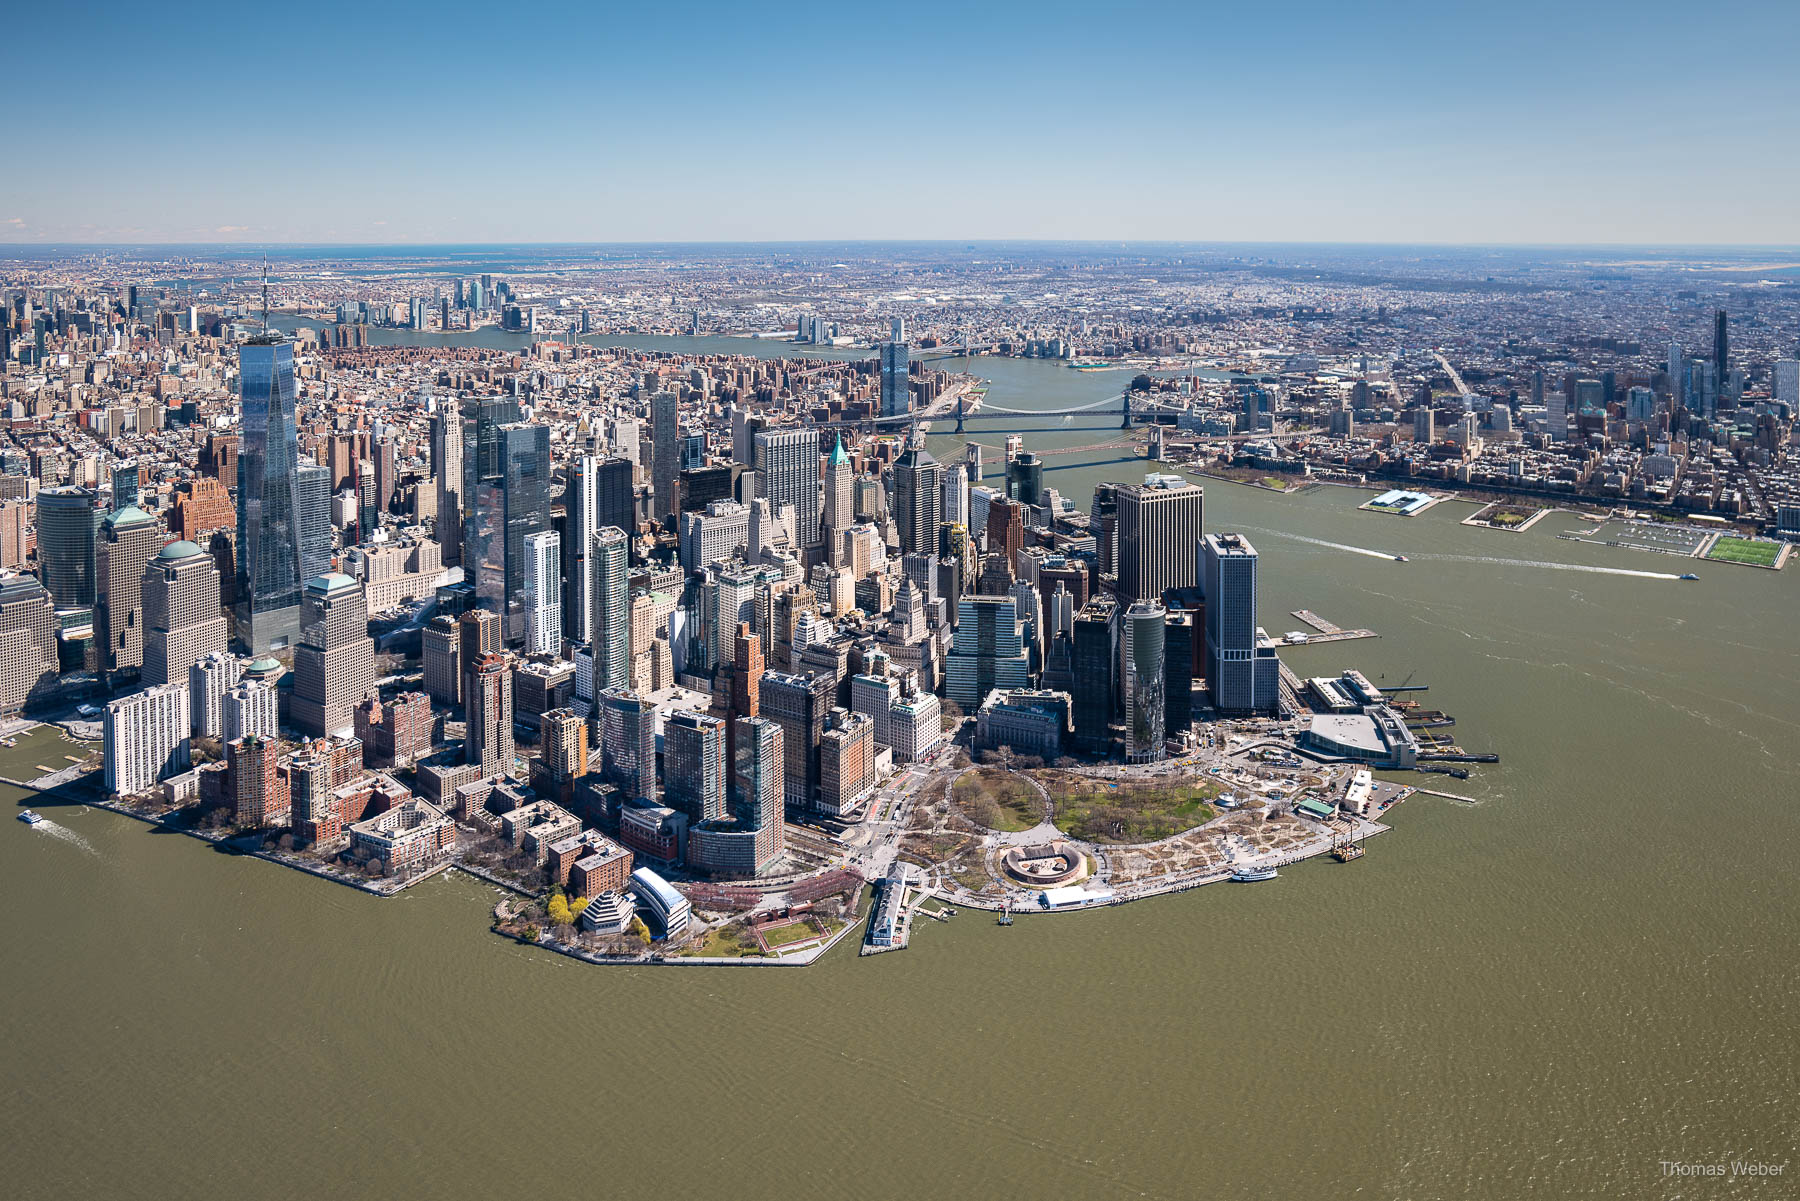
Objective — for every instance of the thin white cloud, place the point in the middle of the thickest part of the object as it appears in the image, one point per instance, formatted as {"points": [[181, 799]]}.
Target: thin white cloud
{"points": [[15, 222]]}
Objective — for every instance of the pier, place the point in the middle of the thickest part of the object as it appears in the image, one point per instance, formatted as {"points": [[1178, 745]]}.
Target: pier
{"points": [[1327, 631]]}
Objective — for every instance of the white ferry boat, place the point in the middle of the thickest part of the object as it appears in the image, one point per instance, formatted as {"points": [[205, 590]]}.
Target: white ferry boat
{"points": [[31, 817], [1250, 875]]}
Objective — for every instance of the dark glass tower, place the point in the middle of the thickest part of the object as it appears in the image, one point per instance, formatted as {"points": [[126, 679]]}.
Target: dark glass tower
{"points": [[268, 505], [896, 389], [512, 501], [68, 521]]}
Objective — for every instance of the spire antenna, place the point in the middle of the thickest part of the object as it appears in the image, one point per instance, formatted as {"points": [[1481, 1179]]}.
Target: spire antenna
{"points": [[265, 293]]}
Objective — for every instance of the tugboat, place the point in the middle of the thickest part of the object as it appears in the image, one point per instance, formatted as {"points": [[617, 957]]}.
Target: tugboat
{"points": [[31, 817], [1250, 875], [1690, 576]]}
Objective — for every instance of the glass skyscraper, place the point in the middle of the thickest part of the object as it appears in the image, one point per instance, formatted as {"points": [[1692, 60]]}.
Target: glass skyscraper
{"points": [[896, 384], [511, 493], [68, 522], [268, 504]]}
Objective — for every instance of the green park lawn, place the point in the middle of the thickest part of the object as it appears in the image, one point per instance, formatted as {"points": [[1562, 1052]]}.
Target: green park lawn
{"points": [[1731, 549]]}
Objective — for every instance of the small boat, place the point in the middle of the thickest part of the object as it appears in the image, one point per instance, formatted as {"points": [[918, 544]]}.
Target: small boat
{"points": [[1250, 875], [32, 817], [1399, 558], [1690, 576]]}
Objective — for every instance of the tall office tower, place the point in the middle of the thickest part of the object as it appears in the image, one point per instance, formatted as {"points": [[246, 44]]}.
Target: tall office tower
{"points": [[128, 538], [918, 494], [987, 650], [250, 708], [441, 648], [1241, 681], [182, 620], [1095, 660], [1677, 361], [314, 487], [787, 463], [543, 593], [208, 681], [146, 738], [581, 504], [972, 462], [846, 763], [488, 704], [447, 466], [615, 501], [1006, 531], [478, 637], [840, 499], [334, 665], [746, 672], [125, 486], [1158, 536], [1145, 680], [628, 742], [695, 767], [1556, 416], [896, 385], [510, 504], [612, 609], [1721, 351], [27, 640], [665, 426], [1589, 398], [1025, 478], [758, 782], [1103, 519], [68, 522], [368, 519], [1178, 688], [268, 497], [953, 498], [385, 480], [798, 704]]}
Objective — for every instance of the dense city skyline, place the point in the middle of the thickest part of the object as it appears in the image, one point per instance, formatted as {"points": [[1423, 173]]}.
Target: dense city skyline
{"points": [[1141, 124]]}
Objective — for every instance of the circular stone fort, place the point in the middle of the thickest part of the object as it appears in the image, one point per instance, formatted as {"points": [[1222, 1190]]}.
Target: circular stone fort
{"points": [[1045, 864]]}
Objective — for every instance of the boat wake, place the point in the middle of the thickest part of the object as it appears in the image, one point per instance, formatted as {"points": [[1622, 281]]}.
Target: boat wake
{"points": [[1642, 575], [1355, 550], [57, 830], [1498, 562]]}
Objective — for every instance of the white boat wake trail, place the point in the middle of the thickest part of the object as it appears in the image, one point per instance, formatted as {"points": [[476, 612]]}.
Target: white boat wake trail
{"points": [[1548, 566], [55, 830]]}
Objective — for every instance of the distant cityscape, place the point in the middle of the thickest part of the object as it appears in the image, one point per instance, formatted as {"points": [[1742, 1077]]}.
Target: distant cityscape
{"points": [[640, 592]]}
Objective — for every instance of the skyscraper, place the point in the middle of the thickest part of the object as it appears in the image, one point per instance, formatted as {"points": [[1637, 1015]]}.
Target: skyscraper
{"points": [[896, 388], [628, 742], [918, 493], [447, 466], [612, 609], [787, 474], [1158, 536], [1144, 681], [840, 499], [27, 640], [334, 664], [268, 500], [128, 538], [987, 650], [315, 520], [1721, 351], [1242, 680], [488, 705], [798, 704], [146, 738], [665, 415], [511, 500], [581, 505], [1094, 662], [543, 593], [695, 767], [68, 522]]}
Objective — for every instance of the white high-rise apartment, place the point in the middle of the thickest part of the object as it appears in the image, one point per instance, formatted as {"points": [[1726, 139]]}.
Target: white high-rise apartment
{"points": [[543, 593], [146, 738]]}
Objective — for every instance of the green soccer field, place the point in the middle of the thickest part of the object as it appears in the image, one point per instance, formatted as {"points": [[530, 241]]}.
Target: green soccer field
{"points": [[1743, 550]]}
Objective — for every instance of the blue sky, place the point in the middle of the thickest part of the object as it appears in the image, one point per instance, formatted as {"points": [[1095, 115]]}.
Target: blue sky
{"points": [[452, 122]]}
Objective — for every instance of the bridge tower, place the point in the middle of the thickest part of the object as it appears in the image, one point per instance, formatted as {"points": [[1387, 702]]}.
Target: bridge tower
{"points": [[1125, 410], [959, 414]]}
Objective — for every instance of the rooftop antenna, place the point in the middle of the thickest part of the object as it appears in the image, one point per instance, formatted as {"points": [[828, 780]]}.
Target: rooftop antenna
{"points": [[265, 293]]}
